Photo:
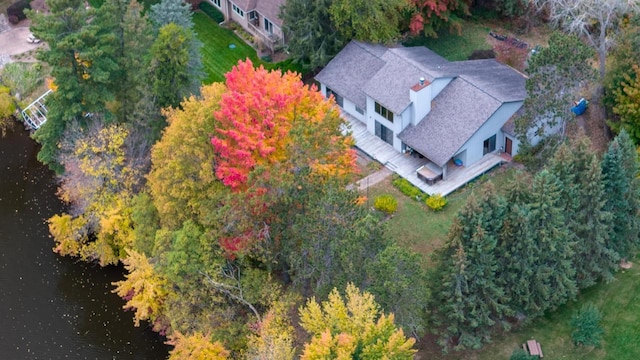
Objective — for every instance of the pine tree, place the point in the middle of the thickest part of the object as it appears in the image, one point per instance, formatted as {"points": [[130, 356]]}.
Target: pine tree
{"points": [[582, 199], [472, 299], [619, 172], [554, 278]]}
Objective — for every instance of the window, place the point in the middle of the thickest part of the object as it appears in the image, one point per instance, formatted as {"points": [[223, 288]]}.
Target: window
{"points": [[253, 15], [339, 99], [489, 145], [384, 133], [268, 26], [237, 10], [384, 112], [217, 3], [360, 110]]}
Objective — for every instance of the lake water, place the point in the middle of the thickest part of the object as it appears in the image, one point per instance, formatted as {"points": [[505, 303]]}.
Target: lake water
{"points": [[53, 307]]}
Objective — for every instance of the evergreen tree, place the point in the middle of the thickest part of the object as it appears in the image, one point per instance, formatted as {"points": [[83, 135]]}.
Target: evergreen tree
{"points": [[179, 13], [472, 300], [619, 172], [582, 192], [312, 39], [171, 79], [554, 278], [81, 56]]}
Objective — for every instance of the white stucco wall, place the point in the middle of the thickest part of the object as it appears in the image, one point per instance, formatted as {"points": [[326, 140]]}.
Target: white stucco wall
{"points": [[347, 106], [474, 146], [396, 126]]}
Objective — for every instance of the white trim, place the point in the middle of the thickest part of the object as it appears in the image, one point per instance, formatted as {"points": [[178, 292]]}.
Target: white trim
{"points": [[237, 10]]}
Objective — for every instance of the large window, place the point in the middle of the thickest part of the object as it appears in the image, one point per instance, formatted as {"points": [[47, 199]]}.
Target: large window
{"points": [[384, 112], [216, 3], [489, 145], [268, 26], [338, 98], [384, 133], [237, 10]]}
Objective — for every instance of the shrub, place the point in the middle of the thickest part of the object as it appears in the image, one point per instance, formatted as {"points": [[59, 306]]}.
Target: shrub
{"points": [[586, 324], [436, 202], [211, 11], [15, 12], [408, 189], [520, 354], [7, 109], [23, 78], [386, 203]]}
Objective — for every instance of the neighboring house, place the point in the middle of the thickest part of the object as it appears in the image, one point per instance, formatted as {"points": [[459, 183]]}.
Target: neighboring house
{"points": [[258, 17], [452, 113]]}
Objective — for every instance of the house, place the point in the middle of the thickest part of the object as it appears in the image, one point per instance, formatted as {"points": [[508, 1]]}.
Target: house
{"points": [[451, 113], [258, 17]]}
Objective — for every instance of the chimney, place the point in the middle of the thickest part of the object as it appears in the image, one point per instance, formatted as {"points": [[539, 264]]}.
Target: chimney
{"points": [[420, 95]]}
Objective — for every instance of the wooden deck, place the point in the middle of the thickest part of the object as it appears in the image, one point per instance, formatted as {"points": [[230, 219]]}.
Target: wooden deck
{"points": [[406, 165]]}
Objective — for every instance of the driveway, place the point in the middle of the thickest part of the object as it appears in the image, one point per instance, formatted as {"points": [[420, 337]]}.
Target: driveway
{"points": [[13, 40]]}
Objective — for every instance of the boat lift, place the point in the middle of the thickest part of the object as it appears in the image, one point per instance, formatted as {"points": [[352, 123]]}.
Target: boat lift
{"points": [[35, 114]]}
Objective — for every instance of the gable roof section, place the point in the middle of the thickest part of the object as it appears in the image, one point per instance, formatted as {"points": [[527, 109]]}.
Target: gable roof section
{"points": [[271, 10], [390, 85], [458, 112], [351, 69], [246, 5], [498, 80]]}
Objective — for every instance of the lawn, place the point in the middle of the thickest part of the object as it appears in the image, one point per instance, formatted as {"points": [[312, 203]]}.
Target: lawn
{"points": [[422, 229], [456, 47], [619, 302]]}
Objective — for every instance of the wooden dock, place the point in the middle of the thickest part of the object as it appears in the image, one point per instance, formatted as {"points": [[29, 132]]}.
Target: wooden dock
{"points": [[406, 165]]}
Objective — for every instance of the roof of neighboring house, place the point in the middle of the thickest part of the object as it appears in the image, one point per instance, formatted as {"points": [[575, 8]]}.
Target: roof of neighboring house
{"points": [[457, 113], [271, 10], [245, 5], [348, 73]]}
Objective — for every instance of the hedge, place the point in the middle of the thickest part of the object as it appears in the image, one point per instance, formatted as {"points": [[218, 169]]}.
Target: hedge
{"points": [[211, 11]]}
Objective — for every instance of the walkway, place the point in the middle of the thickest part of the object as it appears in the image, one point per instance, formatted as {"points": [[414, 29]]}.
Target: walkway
{"points": [[406, 165]]}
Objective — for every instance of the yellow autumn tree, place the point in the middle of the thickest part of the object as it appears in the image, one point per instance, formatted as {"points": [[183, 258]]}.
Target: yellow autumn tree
{"points": [[183, 175], [196, 347], [340, 326], [143, 289]]}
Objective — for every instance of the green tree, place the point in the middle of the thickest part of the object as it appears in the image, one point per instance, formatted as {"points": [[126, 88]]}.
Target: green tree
{"points": [[583, 200], [178, 12], [170, 73], [587, 327], [628, 104], [554, 278], [470, 299], [312, 38], [373, 21], [398, 281], [352, 328], [619, 172], [81, 56], [555, 77]]}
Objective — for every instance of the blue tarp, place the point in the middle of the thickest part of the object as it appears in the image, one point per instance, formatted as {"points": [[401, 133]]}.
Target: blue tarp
{"points": [[580, 107]]}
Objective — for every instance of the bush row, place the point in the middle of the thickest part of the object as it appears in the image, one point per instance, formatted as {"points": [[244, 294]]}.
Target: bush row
{"points": [[211, 11]]}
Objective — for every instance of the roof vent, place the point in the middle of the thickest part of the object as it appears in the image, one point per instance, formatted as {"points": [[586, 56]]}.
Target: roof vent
{"points": [[421, 81]]}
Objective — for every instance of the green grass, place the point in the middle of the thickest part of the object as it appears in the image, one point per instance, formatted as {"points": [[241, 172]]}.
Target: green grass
{"points": [[454, 47], [217, 57], [619, 302], [420, 228]]}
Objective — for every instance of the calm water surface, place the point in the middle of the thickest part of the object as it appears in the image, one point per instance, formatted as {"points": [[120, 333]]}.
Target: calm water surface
{"points": [[53, 307]]}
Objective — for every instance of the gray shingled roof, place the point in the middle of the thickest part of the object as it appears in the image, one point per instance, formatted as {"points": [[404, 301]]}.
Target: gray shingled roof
{"points": [[246, 5], [348, 73], [458, 112], [271, 10], [498, 80]]}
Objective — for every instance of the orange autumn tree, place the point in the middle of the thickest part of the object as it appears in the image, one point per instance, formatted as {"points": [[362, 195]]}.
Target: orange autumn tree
{"points": [[273, 131], [269, 119]]}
